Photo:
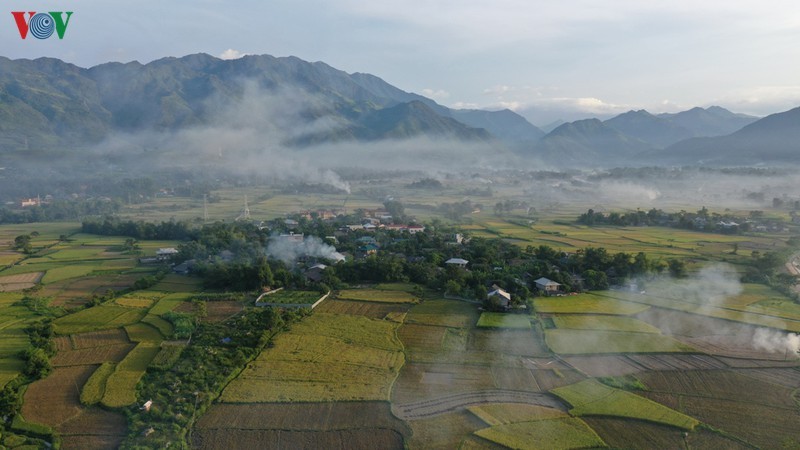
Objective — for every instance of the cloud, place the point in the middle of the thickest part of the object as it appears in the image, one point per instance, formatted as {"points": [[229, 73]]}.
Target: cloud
{"points": [[231, 54], [436, 94], [762, 100]]}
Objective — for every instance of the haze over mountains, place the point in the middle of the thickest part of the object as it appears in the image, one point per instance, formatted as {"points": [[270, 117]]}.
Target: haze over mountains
{"points": [[47, 105]]}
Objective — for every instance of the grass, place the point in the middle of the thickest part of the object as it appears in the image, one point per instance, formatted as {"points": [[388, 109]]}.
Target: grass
{"points": [[504, 320], [162, 325], [288, 297], [94, 389], [405, 287], [101, 317], [121, 386], [610, 323], [378, 295], [448, 313], [551, 434], [168, 303], [506, 413], [590, 303], [326, 357], [167, 356], [584, 342], [143, 332], [592, 398]]}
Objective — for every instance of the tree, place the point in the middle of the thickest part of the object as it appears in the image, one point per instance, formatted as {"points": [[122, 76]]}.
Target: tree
{"points": [[677, 268], [23, 243]]}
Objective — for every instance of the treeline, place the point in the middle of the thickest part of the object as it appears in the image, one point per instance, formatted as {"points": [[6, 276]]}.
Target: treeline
{"points": [[702, 220], [114, 226], [59, 210]]}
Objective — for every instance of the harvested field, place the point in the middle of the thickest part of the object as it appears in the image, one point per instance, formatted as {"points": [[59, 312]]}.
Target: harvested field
{"points": [[447, 430], [740, 345], [677, 362], [583, 342], [94, 355], [301, 416], [604, 365], [548, 434], [95, 422], [218, 311], [591, 398], [628, 433], [99, 338], [437, 405], [366, 309], [90, 442], [423, 381], [721, 384], [512, 342], [787, 377], [226, 439], [19, 282], [53, 400], [515, 379], [378, 295], [549, 379]]}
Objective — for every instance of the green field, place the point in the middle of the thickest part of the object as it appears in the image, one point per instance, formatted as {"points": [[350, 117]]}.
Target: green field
{"points": [[94, 389], [326, 357], [555, 434], [591, 398], [589, 303], [584, 342], [121, 385], [377, 295], [504, 320], [143, 332], [597, 322], [288, 297], [100, 317], [66, 272], [506, 413]]}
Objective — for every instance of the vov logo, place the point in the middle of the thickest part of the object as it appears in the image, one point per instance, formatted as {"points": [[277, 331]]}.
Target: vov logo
{"points": [[42, 25]]}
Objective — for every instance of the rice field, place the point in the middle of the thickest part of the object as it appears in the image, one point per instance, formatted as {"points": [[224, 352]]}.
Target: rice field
{"points": [[504, 320], [546, 434], [377, 295], [325, 357], [98, 318], [591, 398], [583, 342], [121, 385], [589, 303], [599, 322]]}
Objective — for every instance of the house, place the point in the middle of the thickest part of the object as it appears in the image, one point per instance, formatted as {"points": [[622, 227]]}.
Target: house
{"points": [[147, 405], [458, 262], [292, 237], [185, 267], [499, 297], [368, 249], [163, 254], [547, 286], [314, 273], [414, 229]]}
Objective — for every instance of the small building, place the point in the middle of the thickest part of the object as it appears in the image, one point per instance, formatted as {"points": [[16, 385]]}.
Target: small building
{"points": [[147, 405], [547, 285], [458, 262], [163, 254], [292, 237], [314, 273], [499, 297]]}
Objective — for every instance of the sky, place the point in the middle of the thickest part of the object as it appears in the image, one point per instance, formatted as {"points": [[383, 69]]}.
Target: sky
{"points": [[545, 60]]}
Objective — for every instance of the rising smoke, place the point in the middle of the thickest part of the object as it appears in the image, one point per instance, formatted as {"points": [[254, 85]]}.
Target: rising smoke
{"points": [[289, 249]]}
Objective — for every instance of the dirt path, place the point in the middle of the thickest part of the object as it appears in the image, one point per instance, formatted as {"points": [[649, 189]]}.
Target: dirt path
{"points": [[433, 407]]}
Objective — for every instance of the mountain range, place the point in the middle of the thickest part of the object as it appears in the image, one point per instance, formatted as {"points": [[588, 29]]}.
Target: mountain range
{"points": [[48, 105]]}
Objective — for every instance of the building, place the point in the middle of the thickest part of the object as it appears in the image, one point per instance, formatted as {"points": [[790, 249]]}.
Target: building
{"points": [[499, 297], [164, 254], [458, 262], [547, 285]]}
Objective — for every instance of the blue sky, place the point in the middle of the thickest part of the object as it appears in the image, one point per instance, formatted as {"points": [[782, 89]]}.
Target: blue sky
{"points": [[546, 60]]}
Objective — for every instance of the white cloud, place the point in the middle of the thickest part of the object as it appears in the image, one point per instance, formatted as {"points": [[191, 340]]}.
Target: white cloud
{"points": [[231, 54], [762, 100], [436, 94]]}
